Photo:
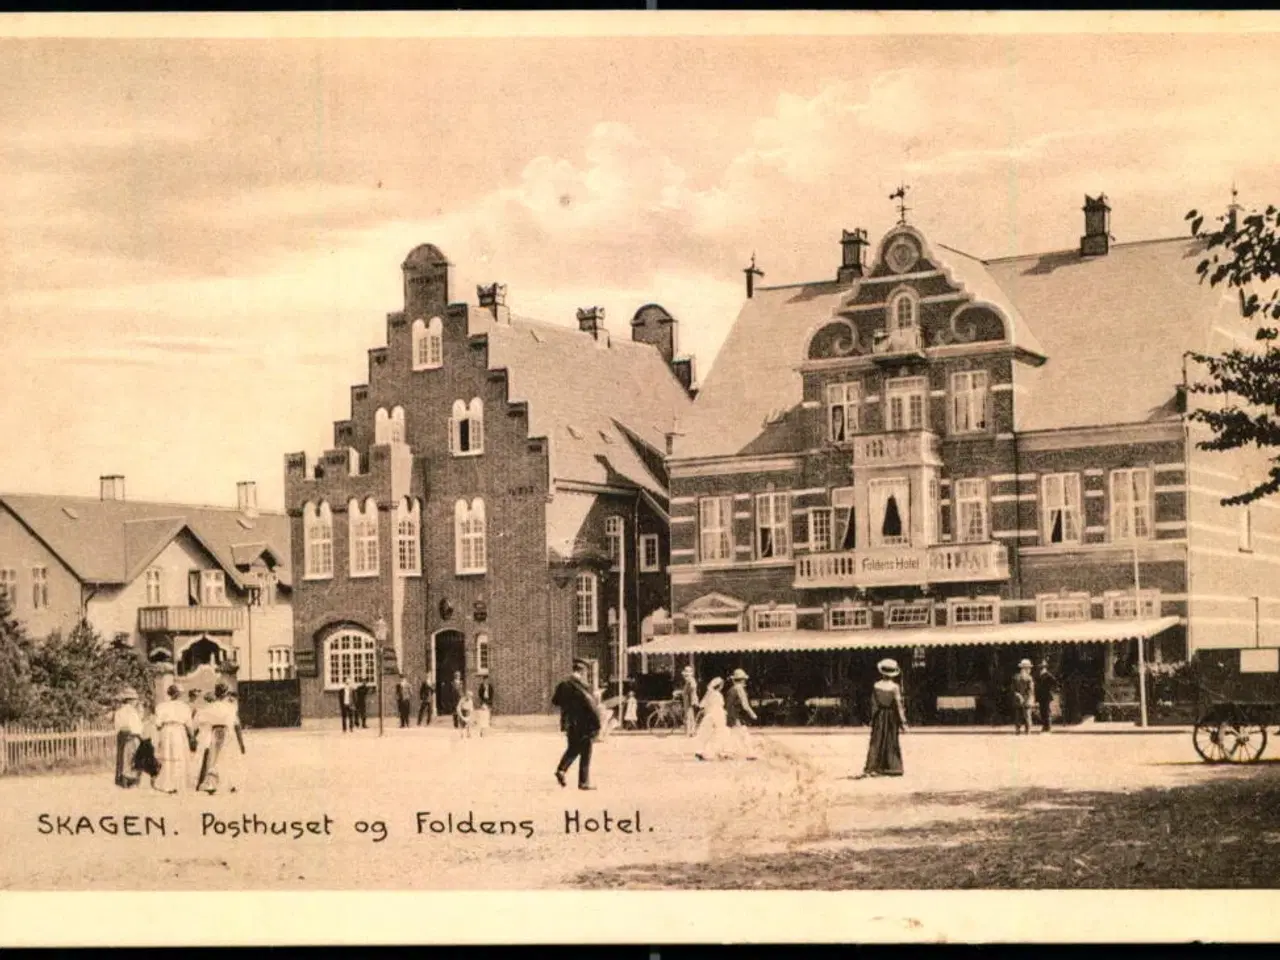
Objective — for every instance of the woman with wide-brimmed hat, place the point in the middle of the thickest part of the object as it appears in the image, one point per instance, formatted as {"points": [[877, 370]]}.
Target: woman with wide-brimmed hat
{"points": [[712, 727], [737, 710], [888, 721], [1023, 697]]}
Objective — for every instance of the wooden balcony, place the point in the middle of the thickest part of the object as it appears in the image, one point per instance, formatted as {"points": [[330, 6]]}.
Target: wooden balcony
{"points": [[190, 619], [890, 566], [900, 449]]}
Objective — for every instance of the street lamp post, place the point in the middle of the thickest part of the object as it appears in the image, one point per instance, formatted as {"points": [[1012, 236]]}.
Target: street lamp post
{"points": [[380, 635]]}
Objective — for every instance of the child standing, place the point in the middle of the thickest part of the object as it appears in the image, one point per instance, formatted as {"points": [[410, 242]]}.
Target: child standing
{"points": [[465, 712], [630, 711]]}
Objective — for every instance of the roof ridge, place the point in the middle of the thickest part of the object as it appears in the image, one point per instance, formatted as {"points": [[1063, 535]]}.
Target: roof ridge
{"points": [[5, 495], [1048, 253]]}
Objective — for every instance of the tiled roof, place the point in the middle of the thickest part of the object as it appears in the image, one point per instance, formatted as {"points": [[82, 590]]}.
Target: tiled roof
{"points": [[112, 541], [1114, 329], [582, 394]]}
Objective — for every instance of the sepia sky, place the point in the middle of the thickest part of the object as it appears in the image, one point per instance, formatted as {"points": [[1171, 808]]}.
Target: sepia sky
{"points": [[200, 240]]}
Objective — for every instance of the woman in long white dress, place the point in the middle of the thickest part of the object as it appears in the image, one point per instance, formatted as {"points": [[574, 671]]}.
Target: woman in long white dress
{"points": [[219, 767], [173, 742], [713, 728]]}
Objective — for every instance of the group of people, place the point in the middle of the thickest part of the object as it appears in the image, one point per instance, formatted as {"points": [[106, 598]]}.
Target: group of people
{"points": [[186, 744], [353, 702], [1033, 692], [469, 710]]}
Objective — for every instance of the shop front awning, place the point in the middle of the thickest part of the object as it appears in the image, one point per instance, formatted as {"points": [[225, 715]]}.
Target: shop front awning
{"points": [[1005, 634]]}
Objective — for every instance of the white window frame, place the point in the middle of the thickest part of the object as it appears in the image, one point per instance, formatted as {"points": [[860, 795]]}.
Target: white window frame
{"points": [[154, 582], [1059, 607], [483, 654], [774, 520], [719, 534], [969, 503], [820, 518], [650, 553], [847, 398], [349, 654], [970, 390], [364, 547], [858, 616], [613, 536], [843, 499], [388, 427], [317, 541], [213, 588], [469, 530], [587, 602], [899, 412], [279, 662], [9, 585], [471, 414], [1134, 509], [773, 619], [264, 594], [428, 344], [1115, 603], [1061, 493], [907, 613], [895, 311], [973, 611], [878, 538], [409, 537], [40, 587]]}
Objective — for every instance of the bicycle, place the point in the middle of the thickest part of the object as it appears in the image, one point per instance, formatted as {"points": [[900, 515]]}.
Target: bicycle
{"points": [[665, 715]]}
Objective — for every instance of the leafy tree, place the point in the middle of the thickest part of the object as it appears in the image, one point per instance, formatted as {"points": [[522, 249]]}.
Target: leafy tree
{"points": [[78, 676], [15, 681], [1243, 253]]}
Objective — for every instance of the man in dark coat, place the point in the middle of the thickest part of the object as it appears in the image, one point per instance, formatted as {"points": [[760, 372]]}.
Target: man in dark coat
{"points": [[1046, 685], [362, 704], [424, 699], [404, 699], [580, 721]]}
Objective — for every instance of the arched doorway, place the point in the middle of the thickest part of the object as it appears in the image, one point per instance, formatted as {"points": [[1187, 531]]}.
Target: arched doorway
{"points": [[448, 654], [198, 654]]}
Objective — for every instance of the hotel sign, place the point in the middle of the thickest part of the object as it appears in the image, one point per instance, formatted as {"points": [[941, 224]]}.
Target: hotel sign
{"points": [[890, 564], [940, 563]]}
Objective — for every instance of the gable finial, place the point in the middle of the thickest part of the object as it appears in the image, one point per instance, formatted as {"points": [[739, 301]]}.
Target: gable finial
{"points": [[901, 196]]}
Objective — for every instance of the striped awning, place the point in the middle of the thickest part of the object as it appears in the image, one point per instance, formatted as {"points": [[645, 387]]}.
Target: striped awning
{"points": [[780, 641]]}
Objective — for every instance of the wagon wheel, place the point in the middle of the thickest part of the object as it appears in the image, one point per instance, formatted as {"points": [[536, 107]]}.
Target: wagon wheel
{"points": [[1207, 739], [1243, 742]]}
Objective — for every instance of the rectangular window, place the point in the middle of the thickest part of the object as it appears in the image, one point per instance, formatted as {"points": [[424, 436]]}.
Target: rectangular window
{"points": [[213, 588], [588, 604], [155, 587], [1073, 606], [890, 512], [613, 539], [650, 560], [1131, 504], [773, 525], [845, 519], [843, 401], [482, 653], [279, 663], [971, 510], [849, 617], [915, 614], [820, 529], [715, 529], [40, 587], [364, 535], [906, 404], [969, 401], [972, 613], [1123, 605], [782, 618], [9, 585], [1060, 507]]}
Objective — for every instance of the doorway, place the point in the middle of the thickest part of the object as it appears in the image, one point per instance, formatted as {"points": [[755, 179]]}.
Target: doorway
{"points": [[449, 655]]}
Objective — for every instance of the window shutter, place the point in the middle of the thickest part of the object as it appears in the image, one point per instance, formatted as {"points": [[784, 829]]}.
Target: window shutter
{"points": [[477, 433], [453, 437], [193, 588]]}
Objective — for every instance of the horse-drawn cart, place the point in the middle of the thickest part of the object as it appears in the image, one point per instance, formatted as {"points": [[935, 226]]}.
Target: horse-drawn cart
{"points": [[1234, 732]]}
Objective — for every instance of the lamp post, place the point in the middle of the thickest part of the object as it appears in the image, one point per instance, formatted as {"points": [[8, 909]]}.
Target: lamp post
{"points": [[380, 635]]}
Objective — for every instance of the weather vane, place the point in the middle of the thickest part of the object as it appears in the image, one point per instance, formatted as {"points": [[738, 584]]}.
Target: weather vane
{"points": [[901, 196]]}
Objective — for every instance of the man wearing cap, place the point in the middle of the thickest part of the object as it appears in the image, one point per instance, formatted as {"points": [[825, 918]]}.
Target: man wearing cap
{"points": [[736, 708], [1046, 685], [128, 723], [580, 721], [1023, 698]]}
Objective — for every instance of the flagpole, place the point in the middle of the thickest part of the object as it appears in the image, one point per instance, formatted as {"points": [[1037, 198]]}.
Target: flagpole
{"points": [[1142, 644]]}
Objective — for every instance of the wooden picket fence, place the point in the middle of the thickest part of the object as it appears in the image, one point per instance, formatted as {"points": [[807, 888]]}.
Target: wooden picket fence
{"points": [[24, 747]]}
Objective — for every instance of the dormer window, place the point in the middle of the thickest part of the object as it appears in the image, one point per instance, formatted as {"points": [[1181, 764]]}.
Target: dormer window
{"points": [[903, 310], [428, 344]]}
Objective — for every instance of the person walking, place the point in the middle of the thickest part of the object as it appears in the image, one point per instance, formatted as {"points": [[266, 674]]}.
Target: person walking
{"points": [[1023, 698], [1046, 685], [174, 726], [347, 705], [362, 704], [128, 723], [404, 700], [630, 711], [888, 722], [456, 688], [689, 699], [712, 728], [484, 704], [580, 721], [424, 699], [737, 709], [218, 765]]}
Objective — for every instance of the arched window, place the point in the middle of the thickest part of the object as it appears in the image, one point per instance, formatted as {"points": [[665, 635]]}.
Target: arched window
{"points": [[469, 544], [588, 604], [396, 425], [466, 428], [613, 539], [902, 311], [363, 525], [428, 344], [381, 427], [350, 656], [317, 541], [408, 526]]}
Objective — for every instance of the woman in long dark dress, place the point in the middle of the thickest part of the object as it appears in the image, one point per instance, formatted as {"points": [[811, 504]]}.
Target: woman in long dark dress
{"points": [[888, 721]]}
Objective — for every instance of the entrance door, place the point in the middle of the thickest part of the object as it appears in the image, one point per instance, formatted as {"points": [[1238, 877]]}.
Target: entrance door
{"points": [[450, 658]]}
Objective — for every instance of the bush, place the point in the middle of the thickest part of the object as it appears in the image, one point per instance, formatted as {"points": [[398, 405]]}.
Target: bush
{"points": [[15, 678]]}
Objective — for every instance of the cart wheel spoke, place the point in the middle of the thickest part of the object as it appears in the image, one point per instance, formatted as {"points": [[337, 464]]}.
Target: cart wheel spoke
{"points": [[1208, 741]]}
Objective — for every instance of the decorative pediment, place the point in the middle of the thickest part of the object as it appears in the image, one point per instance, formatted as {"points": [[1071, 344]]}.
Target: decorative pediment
{"points": [[836, 339], [971, 323], [715, 605]]}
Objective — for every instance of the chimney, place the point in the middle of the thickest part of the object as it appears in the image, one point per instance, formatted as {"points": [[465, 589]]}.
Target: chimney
{"points": [[683, 369], [247, 497], [851, 247], [494, 299], [591, 320], [1097, 227], [752, 272], [653, 325], [111, 487]]}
